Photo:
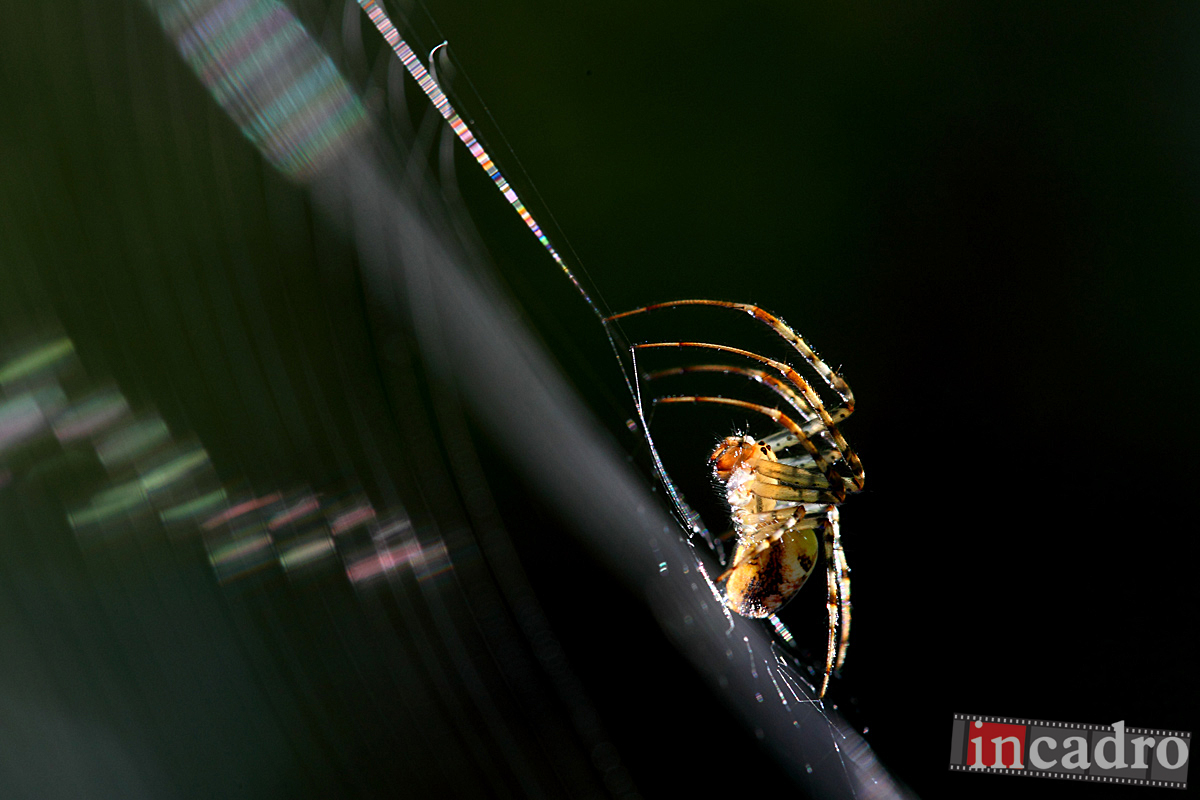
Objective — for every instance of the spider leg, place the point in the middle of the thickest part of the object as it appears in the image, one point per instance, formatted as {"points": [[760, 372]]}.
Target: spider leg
{"points": [[800, 464], [789, 475], [835, 381], [813, 425], [843, 569], [765, 378], [788, 494], [832, 603], [803, 522], [810, 396], [823, 460], [782, 440]]}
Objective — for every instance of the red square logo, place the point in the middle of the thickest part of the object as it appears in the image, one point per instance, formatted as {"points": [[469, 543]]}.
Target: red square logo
{"points": [[995, 744]]}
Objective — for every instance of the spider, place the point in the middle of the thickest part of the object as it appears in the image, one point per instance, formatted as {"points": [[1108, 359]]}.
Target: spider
{"points": [[775, 504], [777, 500]]}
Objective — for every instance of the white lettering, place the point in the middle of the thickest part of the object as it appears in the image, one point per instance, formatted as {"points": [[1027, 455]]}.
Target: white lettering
{"points": [[1180, 750], [1118, 741], [1140, 745], [1077, 759], [1035, 759], [1000, 741], [978, 742]]}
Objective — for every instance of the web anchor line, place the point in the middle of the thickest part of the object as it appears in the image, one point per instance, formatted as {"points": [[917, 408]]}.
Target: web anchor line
{"points": [[433, 91], [425, 80]]}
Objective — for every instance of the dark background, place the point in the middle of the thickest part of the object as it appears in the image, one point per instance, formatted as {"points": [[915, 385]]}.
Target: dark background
{"points": [[986, 214]]}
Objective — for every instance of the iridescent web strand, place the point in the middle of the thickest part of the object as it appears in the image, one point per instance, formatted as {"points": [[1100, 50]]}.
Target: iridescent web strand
{"points": [[434, 92], [380, 20]]}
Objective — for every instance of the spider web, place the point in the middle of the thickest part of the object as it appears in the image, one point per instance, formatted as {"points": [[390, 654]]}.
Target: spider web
{"points": [[824, 744], [403, 539]]}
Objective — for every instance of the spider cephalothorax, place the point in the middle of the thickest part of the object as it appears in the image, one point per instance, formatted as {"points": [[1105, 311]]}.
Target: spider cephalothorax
{"points": [[778, 501]]}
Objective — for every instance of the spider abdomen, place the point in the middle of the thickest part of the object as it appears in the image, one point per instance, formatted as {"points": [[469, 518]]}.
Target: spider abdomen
{"points": [[762, 583]]}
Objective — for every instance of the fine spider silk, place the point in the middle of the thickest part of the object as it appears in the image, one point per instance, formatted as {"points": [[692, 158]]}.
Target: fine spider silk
{"points": [[776, 504]]}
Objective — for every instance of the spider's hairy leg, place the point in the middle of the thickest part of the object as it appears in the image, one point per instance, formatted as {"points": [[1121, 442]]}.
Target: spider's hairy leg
{"points": [[799, 513], [837, 581], [778, 416], [844, 582], [812, 424], [835, 381], [789, 475], [757, 375], [848, 484], [788, 494], [783, 440], [809, 395]]}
